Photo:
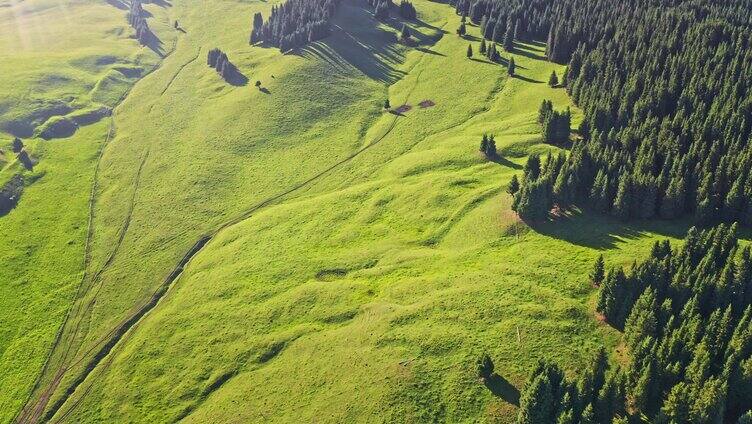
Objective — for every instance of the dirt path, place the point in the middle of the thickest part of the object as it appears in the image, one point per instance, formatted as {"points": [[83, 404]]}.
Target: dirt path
{"points": [[112, 338]]}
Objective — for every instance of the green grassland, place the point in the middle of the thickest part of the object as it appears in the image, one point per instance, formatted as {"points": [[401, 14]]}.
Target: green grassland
{"points": [[360, 260], [59, 61]]}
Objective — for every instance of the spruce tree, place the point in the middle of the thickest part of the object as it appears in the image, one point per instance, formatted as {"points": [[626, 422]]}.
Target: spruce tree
{"points": [[509, 38], [482, 48], [514, 185], [405, 33], [511, 68], [598, 272], [536, 402], [553, 80], [469, 50]]}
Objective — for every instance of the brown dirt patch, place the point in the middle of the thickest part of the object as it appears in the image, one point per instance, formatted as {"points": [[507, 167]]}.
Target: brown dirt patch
{"points": [[403, 109]]}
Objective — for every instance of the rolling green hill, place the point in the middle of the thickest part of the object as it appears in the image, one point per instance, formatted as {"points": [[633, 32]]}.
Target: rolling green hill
{"points": [[358, 261]]}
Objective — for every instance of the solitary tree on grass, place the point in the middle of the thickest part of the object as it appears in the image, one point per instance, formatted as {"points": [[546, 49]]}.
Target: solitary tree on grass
{"points": [[598, 273], [553, 81], [469, 50], [511, 68]]}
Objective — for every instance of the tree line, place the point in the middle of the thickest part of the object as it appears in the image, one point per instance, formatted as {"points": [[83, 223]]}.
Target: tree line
{"points": [[137, 20], [664, 90], [218, 60], [294, 23], [687, 321]]}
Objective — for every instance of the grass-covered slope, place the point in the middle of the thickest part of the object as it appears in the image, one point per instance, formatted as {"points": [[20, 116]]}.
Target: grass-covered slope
{"points": [[59, 60], [382, 258]]}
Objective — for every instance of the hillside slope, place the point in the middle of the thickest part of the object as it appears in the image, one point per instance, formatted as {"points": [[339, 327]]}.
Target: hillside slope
{"points": [[373, 255]]}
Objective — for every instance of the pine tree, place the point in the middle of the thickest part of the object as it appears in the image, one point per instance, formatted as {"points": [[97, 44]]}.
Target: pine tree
{"points": [[598, 272], [469, 50], [509, 38], [514, 185], [461, 31], [536, 402], [623, 202], [405, 33], [553, 80], [511, 68], [386, 104], [484, 366], [482, 48]]}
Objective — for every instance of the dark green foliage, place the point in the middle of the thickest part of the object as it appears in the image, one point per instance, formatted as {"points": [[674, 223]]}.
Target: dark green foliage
{"points": [[219, 61], [256, 29], [598, 273], [137, 20], [509, 37], [671, 111], [553, 80], [484, 366], [381, 9], [482, 48], [17, 145], [555, 126], [598, 396], [469, 50], [405, 33], [407, 10], [514, 185], [386, 104], [511, 67], [295, 23], [687, 318], [461, 31], [488, 146]]}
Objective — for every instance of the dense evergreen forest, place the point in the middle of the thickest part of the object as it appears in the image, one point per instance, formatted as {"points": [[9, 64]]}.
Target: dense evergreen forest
{"points": [[294, 23], [687, 322], [665, 90]]}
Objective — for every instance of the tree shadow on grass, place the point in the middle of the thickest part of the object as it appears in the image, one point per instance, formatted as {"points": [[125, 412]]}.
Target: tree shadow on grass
{"points": [[527, 52], [155, 44], [526, 79], [598, 231], [429, 51], [504, 162], [502, 388], [236, 78]]}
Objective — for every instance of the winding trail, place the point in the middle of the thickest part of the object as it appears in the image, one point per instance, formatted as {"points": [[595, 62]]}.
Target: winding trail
{"points": [[33, 410], [112, 338]]}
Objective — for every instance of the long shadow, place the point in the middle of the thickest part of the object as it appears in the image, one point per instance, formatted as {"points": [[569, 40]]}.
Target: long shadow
{"points": [[504, 162], [526, 79], [528, 53], [429, 51], [10, 193], [155, 44], [487, 62], [591, 229], [501, 387], [236, 78], [118, 4]]}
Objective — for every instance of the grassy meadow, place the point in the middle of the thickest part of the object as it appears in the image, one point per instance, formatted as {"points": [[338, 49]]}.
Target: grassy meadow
{"points": [[361, 260]]}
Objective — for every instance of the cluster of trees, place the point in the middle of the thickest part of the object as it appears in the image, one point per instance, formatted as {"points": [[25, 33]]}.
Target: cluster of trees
{"points": [[555, 126], [218, 60], [489, 51], [407, 10], [294, 23], [687, 322], [542, 187], [503, 22], [381, 8], [598, 396], [137, 20], [668, 119], [488, 146]]}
